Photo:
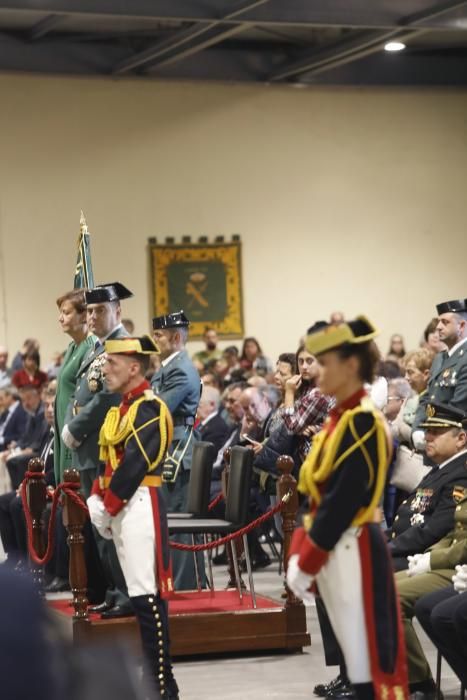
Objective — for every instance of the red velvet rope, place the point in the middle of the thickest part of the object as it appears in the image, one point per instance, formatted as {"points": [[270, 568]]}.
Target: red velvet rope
{"points": [[215, 501], [233, 535], [67, 487]]}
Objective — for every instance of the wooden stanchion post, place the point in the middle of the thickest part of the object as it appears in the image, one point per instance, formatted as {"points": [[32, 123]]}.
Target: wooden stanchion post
{"points": [[36, 498], [287, 485], [74, 518]]}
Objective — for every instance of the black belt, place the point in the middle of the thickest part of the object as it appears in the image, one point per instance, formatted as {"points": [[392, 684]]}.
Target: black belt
{"points": [[183, 420]]}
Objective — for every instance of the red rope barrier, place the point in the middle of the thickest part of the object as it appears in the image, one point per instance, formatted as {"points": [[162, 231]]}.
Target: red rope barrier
{"points": [[233, 535], [215, 501], [67, 487]]}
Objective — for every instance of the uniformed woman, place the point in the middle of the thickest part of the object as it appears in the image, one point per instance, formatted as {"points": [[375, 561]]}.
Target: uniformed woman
{"points": [[341, 547]]}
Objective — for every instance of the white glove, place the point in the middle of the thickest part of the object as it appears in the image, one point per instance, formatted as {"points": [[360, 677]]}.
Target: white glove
{"points": [[419, 564], [418, 439], [100, 517], [67, 437], [460, 578], [298, 581]]}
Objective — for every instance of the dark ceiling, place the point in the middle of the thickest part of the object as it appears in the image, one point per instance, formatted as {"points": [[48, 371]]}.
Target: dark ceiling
{"points": [[337, 42]]}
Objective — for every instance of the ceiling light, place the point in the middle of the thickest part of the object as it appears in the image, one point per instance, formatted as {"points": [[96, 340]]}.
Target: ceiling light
{"points": [[394, 46]]}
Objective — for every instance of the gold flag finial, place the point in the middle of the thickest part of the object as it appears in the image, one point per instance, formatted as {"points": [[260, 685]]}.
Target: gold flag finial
{"points": [[82, 223]]}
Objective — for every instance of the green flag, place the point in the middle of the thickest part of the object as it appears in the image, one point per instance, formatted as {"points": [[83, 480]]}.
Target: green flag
{"points": [[84, 277]]}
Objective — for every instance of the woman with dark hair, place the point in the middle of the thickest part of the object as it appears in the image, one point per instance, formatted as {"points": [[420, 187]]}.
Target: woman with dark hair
{"points": [[72, 319], [30, 375], [396, 347], [305, 408], [252, 360], [341, 546]]}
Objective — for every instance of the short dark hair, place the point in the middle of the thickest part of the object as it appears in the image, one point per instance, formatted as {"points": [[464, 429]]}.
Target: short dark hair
{"points": [[431, 327], [368, 357], [290, 359], [32, 355]]}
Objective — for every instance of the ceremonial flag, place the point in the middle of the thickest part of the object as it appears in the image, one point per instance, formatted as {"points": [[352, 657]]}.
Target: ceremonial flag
{"points": [[84, 278]]}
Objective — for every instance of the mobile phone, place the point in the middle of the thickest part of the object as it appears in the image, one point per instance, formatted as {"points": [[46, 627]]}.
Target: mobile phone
{"points": [[247, 438]]}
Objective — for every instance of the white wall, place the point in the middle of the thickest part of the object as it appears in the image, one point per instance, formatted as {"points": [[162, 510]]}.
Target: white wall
{"points": [[344, 199]]}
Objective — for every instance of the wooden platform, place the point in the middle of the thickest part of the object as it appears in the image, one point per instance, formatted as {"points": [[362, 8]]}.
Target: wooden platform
{"points": [[207, 623]]}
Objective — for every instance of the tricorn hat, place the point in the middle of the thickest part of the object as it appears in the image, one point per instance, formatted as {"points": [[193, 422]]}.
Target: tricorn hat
{"points": [[113, 291], [144, 345], [324, 336], [453, 306], [175, 320], [442, 415]]}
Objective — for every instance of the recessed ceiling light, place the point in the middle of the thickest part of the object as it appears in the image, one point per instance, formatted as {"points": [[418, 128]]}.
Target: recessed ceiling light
{"points": [[394, 46]]}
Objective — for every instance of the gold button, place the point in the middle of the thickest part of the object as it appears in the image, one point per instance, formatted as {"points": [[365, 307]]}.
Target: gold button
{"points": [[396, 518], [393, 535], [458, 508], [161, 676], [404, 502], [159, 624], [159, 633], [151, 600], [454, 541]]}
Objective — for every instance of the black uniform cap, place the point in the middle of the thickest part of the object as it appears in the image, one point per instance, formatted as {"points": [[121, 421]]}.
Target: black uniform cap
{"points": [[114, 291], [442, 415], [175, 320], [454, 306]]}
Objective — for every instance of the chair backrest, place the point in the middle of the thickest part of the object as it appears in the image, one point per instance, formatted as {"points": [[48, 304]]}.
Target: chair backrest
{"points": [[204, 454], [238, 490]]}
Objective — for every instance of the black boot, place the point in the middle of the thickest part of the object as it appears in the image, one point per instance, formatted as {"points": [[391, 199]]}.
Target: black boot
{"points": [[153, 619], [364, 691]]}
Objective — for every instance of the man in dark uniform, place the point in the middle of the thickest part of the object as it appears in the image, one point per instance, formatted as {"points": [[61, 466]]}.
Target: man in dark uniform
{"points": [[86, 413], [126, 505], [448, 376], [427, 514], [178, 384], [432, 570]]}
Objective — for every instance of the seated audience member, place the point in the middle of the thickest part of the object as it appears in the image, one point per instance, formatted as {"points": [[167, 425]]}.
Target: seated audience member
{"points": [[431, 572], [398, 392], [211, 379], [396, 349], [431, 339], [304, 407], [443, 616], [417, 371], [16, 458], [252, 360], [235, 412], [53, 368], [211, 427], [231, 370], [12, 521], [389, 369], [28, 345], [30, 374], [211, 351], [427, 514], [5, 372], [13, 417], [336, 318]]}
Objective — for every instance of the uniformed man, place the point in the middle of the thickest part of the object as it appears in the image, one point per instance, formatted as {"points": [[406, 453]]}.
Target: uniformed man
{"points": [[178, 384], [432, 570], [86, 413], [125, 503], [427, 514], [448, 376]]}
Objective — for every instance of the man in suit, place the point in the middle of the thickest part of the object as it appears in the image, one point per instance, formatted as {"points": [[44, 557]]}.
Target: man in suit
{"points": [[448, 376], [211, 427], [88, 407], [177, 383], [432, 570], [427, 514], [13, 417]]}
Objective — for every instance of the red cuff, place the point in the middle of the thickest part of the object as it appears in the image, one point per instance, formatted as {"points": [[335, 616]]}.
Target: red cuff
{"points": [[311, 557], [96, 489], [298, 536], [113, 504]]}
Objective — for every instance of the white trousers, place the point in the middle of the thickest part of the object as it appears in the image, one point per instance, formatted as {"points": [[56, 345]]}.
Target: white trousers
{"points": [[340, 586], [134, 538]]}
